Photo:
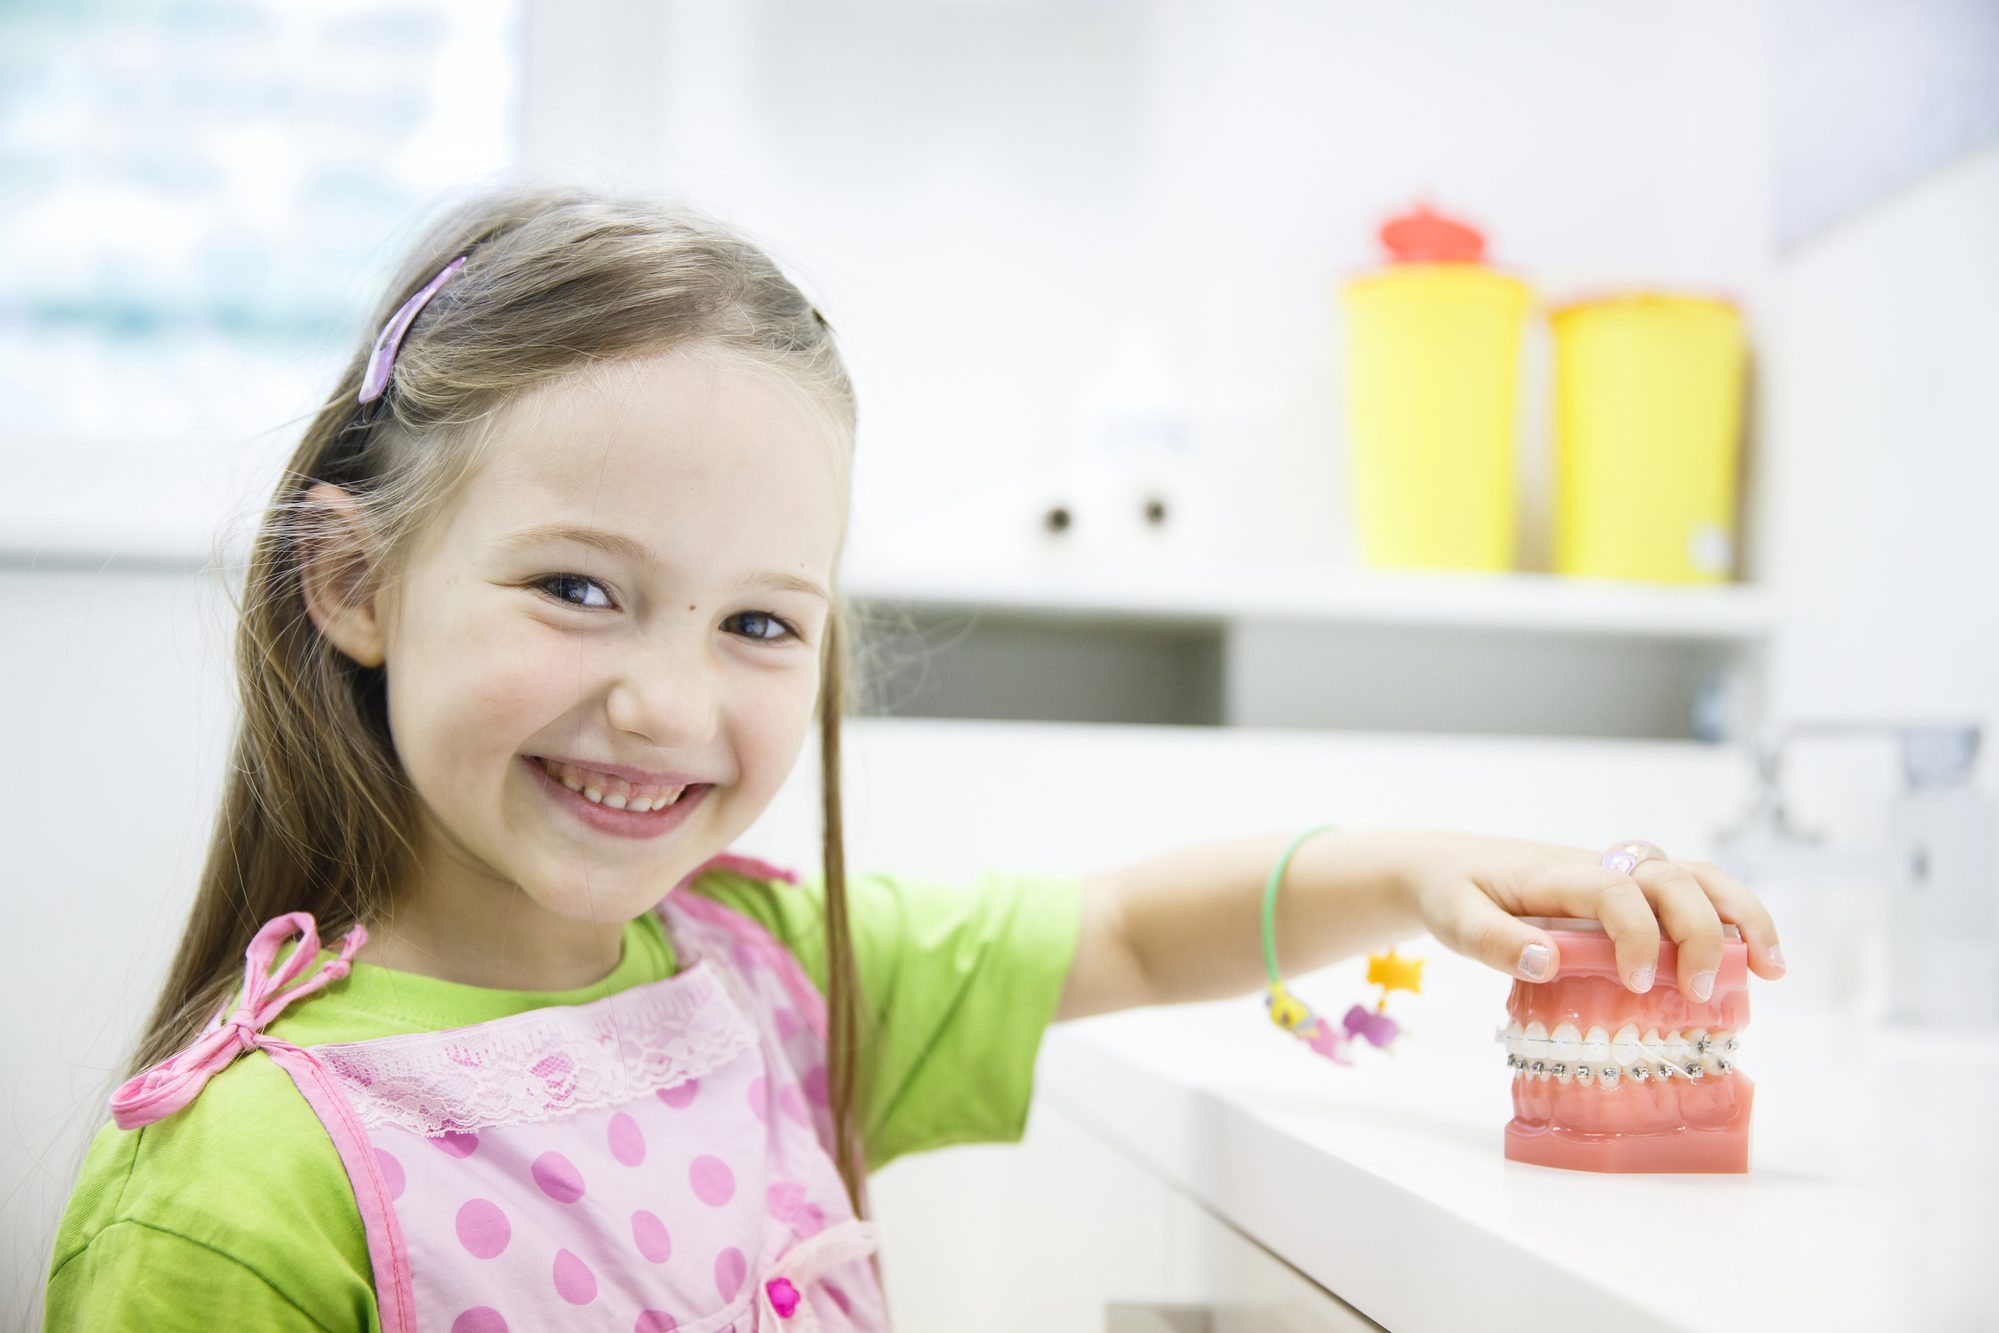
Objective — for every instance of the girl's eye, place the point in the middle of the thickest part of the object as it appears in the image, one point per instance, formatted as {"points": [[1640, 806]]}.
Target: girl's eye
{"points": [[767, 617], [555, 579]]}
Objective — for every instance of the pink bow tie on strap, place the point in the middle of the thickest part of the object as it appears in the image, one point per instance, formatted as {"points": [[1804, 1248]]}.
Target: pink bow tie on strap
{"points": [[780, 1297], [174, 1081]]}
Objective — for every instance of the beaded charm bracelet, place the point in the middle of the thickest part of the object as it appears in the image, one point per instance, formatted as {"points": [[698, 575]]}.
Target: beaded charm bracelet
{"points": [[1386, 970]]}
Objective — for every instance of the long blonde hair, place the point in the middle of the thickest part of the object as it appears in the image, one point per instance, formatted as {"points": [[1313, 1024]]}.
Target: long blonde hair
{"points": [[316, 813]]}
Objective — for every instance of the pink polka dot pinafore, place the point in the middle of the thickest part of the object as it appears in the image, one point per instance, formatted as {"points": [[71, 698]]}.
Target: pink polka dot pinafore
{"points": [[656, 1159]]}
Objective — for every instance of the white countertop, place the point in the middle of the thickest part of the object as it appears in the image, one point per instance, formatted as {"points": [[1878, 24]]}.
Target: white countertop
{"points": [[1872, 1160], [1868, 1203]]}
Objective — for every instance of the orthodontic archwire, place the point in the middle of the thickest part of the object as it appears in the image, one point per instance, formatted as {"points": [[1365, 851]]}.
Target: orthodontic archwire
{"points": [[1640, 1072]]}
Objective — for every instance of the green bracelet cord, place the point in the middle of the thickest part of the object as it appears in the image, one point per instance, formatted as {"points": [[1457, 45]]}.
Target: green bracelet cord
{"points": [[1292, 1014], [1270, 903]]}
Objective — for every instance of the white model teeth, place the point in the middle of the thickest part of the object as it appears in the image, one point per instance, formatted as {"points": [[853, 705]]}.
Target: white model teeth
{"points": [[1565, 1043], [1654, 1048], [1596, 1059]]}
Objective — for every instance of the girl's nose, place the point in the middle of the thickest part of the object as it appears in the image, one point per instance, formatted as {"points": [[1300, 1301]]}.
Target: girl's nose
{"points": [[670, 696]]}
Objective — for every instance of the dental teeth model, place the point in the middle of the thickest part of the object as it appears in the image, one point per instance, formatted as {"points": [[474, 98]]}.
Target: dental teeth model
{"points": [[1608, 1080]]}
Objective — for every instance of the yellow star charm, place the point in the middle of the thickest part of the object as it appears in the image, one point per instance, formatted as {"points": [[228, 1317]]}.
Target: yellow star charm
{"points": [[1391, 972]]}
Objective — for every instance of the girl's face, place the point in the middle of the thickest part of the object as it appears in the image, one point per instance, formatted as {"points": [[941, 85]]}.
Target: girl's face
{"points": [[689, 645]]}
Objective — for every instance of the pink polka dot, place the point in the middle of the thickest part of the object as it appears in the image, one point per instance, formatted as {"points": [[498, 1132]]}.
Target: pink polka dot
{"points": [[730, 1269], [558, 1177], [839, 1298], [649, 1234], [483, 1229], [479, 1319], [793, 1103], [574, 1281], [655, 1321], [627, 1144], [758, 1096], [680, 1094], [785, 1200], [788, 1025], [392, 1173], [454, 1144], [815, 1084], [713, 1181]]}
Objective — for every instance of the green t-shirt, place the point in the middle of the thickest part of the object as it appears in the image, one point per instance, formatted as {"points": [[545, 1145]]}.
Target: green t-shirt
{"points": [[238, 1203]]}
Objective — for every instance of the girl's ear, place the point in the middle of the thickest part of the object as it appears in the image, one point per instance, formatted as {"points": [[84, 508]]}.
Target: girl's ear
{"points": [[333, 556]]}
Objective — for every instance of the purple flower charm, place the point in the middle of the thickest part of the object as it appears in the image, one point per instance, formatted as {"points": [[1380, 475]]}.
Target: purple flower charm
{"points": [[1379, 1029], [783, 1296]]}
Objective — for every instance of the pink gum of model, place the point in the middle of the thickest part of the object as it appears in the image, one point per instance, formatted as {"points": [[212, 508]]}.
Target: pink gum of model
{"points": [[1656, 1125]]}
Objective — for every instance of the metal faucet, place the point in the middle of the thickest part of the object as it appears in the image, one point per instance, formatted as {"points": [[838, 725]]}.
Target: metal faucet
{"points": [[1933, 753], [1939, 868]]}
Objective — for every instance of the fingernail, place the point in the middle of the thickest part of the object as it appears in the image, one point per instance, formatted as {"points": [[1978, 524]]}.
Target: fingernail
{"points": [[1641, 980], [1703, 985], [1534, 962], [1776, 955]]}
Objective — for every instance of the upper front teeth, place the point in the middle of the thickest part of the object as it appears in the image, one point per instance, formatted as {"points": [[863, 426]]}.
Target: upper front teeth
{"points": [[602, 789], [1598, 1057]]}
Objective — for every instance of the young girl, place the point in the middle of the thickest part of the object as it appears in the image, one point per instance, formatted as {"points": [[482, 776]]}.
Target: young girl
{"points": [[477, 1024]]}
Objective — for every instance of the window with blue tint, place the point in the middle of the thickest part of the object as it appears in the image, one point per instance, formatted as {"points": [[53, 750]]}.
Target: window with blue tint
{"points": [[199, 200]]}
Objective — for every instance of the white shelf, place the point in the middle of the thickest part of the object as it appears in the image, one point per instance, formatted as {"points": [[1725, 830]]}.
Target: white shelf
{"points": [[1335, 595]]}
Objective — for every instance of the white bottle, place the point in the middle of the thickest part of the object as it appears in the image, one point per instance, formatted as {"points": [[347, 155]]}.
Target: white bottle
{"points": [[1134, 494]]}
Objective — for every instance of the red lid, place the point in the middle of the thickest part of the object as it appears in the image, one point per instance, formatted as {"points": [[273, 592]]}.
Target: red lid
{"points": [[1426, 237]]}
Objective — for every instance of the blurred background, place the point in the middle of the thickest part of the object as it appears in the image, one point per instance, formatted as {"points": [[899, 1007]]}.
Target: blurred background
{"points": [[1537, 372]]}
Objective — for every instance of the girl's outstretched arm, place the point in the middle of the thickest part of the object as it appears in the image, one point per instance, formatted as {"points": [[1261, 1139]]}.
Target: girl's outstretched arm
{"points": [[1186, 924]]}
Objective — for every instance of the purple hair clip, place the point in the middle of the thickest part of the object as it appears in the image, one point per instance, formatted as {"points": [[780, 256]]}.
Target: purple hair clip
{"points": [[382, 360]]}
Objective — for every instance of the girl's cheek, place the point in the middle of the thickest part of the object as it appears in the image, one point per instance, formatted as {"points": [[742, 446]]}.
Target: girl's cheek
{"points": [[776, 724], [517, 691]]}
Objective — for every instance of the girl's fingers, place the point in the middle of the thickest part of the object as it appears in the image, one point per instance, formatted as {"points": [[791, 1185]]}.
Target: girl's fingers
{"points": [[1474, 925], [1690, 899], [1736, 904], [1689, 917], [1598, 893]]}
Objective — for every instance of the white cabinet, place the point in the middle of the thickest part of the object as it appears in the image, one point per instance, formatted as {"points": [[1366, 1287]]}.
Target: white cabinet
{"points": [[1249, 1289], [1065, 1233]]}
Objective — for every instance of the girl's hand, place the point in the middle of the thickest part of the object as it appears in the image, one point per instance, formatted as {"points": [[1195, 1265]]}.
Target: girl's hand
{"points": [[1470, 893]]}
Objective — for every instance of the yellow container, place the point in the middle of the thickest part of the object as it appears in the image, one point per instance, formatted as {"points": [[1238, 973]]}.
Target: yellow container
{"points": [[1432, 364], [1648, 428]]}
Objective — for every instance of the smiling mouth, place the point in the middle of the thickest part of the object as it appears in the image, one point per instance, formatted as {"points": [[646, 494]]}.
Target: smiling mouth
{"points": [[617, 795]]}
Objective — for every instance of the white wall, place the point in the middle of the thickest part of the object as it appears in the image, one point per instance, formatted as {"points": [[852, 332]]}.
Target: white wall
{"points": [[985, 196], [1877, 414], [119, 714], [1880, 416]]}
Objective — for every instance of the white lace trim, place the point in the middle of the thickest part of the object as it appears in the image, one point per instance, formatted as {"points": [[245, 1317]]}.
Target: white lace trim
{"points": [[544, 1064]]}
